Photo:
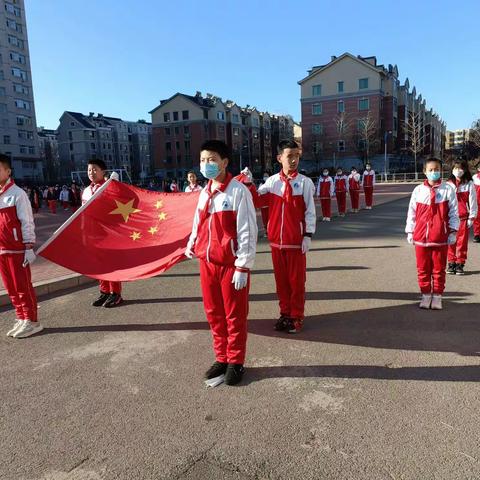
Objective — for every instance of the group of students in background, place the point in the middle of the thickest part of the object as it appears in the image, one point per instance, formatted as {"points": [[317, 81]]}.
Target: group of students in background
{"points": [[70, 198], [340, 185]]}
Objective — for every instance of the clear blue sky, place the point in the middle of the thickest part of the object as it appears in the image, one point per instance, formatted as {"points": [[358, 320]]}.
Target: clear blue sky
{"points": [[120, 57]]}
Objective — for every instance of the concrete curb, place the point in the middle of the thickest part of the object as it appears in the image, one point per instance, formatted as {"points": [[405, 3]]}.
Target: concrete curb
{"points": [[51, 286]]}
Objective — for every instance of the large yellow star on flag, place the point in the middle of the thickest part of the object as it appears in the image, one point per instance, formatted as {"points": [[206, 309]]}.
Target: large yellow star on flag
{"points": [[135, 235], [125, 209]]}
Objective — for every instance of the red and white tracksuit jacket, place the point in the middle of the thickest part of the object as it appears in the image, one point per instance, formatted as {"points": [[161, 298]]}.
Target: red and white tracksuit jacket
{"points": [[289, 220], [325, 191], [16, 229], [476, 223], [341, 189], [105, 285], [195, 188], [467, 210], [354, 189], [368, 182], [224, 238], [432, 216]]}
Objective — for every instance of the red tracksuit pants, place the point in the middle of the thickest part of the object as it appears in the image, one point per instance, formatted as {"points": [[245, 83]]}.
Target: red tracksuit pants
{"points": [[110, 287], [431, 265], [355, 199], [52, 205], [290, 269], [326, 204], [342, 202], [368, 196], [476, 224], [226, 310], [264, 212], [17, 280], [457, 253]]}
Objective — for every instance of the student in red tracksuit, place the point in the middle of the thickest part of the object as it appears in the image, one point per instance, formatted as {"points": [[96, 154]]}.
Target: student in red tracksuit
{"points": [[325, 191], [224, 237], [291, 225], [476, 223], [17, 237], [193, 185], [110, 292], [341, 190], [368, 182], [354, 189], [461, 181], [432, 224]]}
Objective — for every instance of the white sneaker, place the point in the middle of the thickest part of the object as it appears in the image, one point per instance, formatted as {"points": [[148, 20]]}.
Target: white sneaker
{"points": [[17, 325], [426, 301], [327, 219], [368, 208], [27, 329], [324, 219], [436, 302]]}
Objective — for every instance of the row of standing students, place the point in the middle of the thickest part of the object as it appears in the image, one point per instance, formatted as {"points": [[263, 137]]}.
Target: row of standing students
{"points": [[340, 185]]}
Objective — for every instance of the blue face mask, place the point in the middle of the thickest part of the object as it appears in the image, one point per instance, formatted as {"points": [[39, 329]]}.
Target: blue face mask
{"points": [[433, 176], [209, 170]]}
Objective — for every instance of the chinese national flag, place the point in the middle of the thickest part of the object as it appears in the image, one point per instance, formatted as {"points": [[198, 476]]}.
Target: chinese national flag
{"points": [[124, 233]]}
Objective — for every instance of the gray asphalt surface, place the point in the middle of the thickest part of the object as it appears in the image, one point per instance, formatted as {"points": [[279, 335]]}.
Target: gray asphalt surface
{"points": [[373, 388]]}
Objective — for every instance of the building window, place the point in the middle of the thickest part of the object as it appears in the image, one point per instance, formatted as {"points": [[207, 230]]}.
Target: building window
{"points": [[13, 9], [176, 130], [22, 104], [168, 147], [177, 145], [2, 92], [16, 42], [17, 57], [93, 146], [2, 75], [317, 147], [316, 90], [221, 131], [166, 117], [317, 129], [317, 109], [6, 139], [186, 130], [255, 122], [341, 145], [255, 135], [14, 25], [340, 106], [364, 104], [3, 107], [186, 144], [360, 124], [18, 88], [362, 83], [235, 118], [236, 131], [184, 114], [17, 72], [71, 146], [220, 116], [31, 150], [175, 116], [339, 87], [167, 131], [23, 149]]}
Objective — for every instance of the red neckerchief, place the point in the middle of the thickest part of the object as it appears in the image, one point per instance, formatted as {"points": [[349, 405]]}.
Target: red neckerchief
{"points": [[208, 188], [10, 183], [433, 204], [288, 193], [96, 186]]}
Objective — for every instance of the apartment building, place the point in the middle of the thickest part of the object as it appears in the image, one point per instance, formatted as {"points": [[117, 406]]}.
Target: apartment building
{"points": [[457, 139], [18, 138]]}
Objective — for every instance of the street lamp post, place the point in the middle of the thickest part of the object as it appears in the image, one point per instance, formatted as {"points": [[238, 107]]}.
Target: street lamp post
{"points": [[385, 138]]}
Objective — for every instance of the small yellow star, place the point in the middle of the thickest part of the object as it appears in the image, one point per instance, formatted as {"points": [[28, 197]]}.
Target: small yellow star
{"points": [[162, 216], [135, 235], [159, 204], [153, 230], [125, 209]]}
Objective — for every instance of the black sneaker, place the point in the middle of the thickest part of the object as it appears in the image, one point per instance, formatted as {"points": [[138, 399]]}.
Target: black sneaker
{"points": [[234, 374], [452, 268], [460, 269], [217, 369], [476, 238], [101, 299], [282, 323], [113, 300]]}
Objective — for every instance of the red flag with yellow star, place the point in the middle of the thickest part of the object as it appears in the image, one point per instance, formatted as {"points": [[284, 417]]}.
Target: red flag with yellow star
{"points": [[124, 233]]}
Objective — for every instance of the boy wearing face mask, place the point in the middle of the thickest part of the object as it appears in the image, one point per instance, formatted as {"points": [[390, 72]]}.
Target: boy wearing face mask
{"points": [[476, 222], [461, 181], [341, 190], [325, 191], [354, 189], [368, 182], [224, 237], [432, 224]]}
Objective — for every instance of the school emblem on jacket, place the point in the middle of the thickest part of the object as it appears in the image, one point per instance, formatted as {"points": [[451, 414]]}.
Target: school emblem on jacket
{"points": [[295, 185], [225, 205], [439, 196]]}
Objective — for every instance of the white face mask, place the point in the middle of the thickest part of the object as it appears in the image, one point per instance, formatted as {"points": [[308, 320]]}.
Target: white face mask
{"points": [[458, 172]]}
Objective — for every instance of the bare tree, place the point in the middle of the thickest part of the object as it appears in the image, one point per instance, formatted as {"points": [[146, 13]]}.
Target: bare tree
{"points": [[474, 135], [416, 135], [367, 136], [316, 146], [342, 128]]}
